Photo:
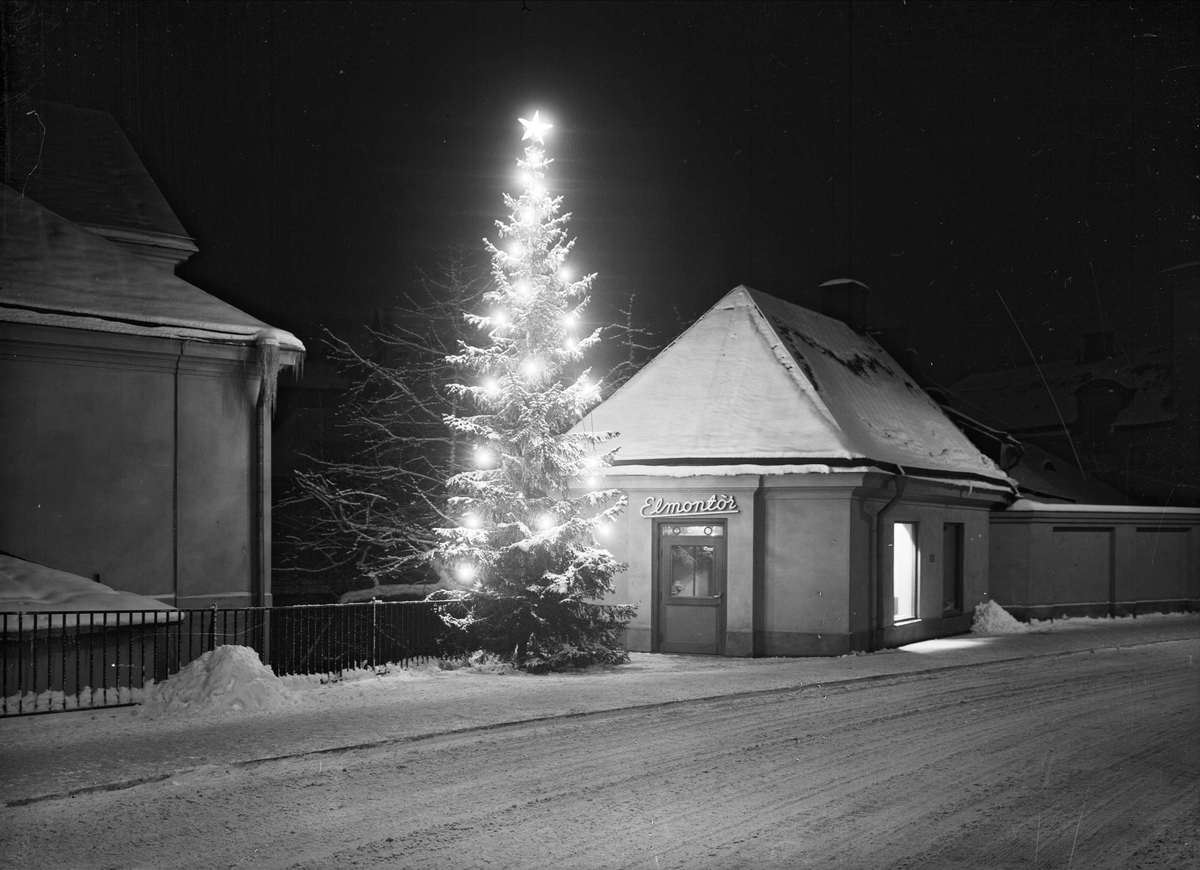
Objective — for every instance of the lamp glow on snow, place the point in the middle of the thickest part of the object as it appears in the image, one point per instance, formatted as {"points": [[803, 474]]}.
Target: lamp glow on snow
{"points": [[484, 458], [465, 572]]}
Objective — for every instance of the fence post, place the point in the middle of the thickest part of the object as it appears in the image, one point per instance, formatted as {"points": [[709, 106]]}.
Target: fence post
{"points": [[266, 636]]}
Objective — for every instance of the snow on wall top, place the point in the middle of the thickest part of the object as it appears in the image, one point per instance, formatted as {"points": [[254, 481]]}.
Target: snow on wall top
{"points": [[760, 378], [79, 163], [55, 273]]}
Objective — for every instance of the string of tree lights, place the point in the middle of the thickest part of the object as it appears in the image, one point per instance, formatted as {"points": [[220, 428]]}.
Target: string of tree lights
{"points": [[530, 514]]}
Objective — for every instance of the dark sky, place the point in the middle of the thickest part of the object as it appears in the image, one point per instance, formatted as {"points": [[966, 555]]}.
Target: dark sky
{"points": [[949, 155]]}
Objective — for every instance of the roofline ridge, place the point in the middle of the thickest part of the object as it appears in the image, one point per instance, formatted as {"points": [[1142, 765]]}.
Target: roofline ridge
{"points": [[792, 366]]}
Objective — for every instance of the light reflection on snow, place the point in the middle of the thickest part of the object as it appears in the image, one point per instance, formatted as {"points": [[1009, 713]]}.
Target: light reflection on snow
{"points": [[946, 644]]}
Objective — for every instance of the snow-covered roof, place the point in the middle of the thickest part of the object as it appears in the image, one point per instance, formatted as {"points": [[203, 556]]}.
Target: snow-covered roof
{"points": [[30, 589], [1025, 504], [1030, 398], [55, 273], [79, 163], [757, 380], [1042, 475]]}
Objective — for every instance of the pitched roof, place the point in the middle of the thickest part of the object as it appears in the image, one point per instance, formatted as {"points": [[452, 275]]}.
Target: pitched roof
{"points": [[1032, 398], [79, 164], [759, 380], [53, 272]]}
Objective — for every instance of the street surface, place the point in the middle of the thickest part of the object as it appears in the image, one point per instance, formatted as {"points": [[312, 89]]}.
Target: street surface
{"points": [[1087, 759]]}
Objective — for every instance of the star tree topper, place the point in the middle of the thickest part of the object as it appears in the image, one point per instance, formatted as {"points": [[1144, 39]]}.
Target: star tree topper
{"points": [[535, 129]]}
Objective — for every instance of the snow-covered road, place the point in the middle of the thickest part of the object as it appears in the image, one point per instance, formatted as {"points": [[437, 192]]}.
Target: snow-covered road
{"points": [[1085, 757]]}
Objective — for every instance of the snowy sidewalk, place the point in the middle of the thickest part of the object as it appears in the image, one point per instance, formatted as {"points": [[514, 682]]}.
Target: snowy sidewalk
{"points": [[64, 753]]}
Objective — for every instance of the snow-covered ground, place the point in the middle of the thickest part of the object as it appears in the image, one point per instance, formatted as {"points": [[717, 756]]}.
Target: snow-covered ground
{"points": [[232, 679], [1071, 744]]}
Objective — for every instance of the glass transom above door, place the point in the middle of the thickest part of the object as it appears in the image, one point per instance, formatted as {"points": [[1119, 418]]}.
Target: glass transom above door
{"points": [[693, 531]]}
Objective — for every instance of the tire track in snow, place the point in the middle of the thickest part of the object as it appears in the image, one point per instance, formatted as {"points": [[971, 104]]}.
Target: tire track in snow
{"points": [[937, 770]]}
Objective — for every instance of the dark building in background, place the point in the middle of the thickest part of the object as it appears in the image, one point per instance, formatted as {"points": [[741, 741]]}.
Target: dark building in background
{"points": [[134, 445], [1127, 416]]}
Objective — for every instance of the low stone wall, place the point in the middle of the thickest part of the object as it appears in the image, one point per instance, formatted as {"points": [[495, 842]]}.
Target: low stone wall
{"points": [[1094, 560]]}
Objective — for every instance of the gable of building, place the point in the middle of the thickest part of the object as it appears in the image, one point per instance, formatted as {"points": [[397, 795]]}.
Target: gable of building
{"points": [[79, 164]]}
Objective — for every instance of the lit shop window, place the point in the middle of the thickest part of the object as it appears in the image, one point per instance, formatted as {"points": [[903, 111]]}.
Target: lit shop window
{"points": [[904, 570]]}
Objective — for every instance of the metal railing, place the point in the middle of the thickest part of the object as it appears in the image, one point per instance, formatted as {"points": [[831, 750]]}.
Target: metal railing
{"points": [[52, 661]]}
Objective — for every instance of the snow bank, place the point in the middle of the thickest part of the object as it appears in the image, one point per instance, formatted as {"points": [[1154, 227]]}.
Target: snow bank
{"points": [[226, 679], [991, 618], [28, 588]]}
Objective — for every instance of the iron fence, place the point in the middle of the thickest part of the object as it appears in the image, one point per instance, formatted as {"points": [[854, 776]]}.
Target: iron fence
{"points": [[52, 661]]}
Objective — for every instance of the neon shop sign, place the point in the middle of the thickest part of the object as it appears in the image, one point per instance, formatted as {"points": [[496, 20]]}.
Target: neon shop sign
{"points": [[715, 504]]}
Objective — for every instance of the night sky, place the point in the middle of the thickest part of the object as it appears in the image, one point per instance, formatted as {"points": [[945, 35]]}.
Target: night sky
{"points": [[953, 156]]}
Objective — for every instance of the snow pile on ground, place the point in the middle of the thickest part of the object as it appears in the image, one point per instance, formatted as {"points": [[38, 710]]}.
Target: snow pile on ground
{"points": [[226, 679], [991, 618]]}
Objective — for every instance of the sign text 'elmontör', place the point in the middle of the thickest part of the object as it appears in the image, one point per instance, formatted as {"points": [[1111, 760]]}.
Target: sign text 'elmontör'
{"points": [[715, 504]]}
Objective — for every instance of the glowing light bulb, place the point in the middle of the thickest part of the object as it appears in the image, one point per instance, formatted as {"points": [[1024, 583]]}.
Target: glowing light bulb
{"points": [[484, 458], [564, 274], [592, 480], [500, 317], [466, 572], [528, 215], [516, 251], [532, 367], [592, 462], [523, 289], [569, 319], [545, 521], [491, 386], [471, 521], [569, 344]]}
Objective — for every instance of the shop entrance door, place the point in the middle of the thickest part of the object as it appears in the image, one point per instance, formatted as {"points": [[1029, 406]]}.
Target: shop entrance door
{"points": [[690, 616]]}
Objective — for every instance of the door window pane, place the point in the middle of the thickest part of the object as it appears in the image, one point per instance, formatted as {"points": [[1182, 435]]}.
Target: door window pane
{"points": [[692, 570], [904, 570]]}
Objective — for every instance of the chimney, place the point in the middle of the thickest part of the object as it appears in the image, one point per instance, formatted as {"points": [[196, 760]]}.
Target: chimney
{"points": [[845, 299], [1099, 346]]}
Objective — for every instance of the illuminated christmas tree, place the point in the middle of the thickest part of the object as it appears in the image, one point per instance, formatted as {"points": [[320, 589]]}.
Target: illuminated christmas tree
{"points": [[526, 550]]}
